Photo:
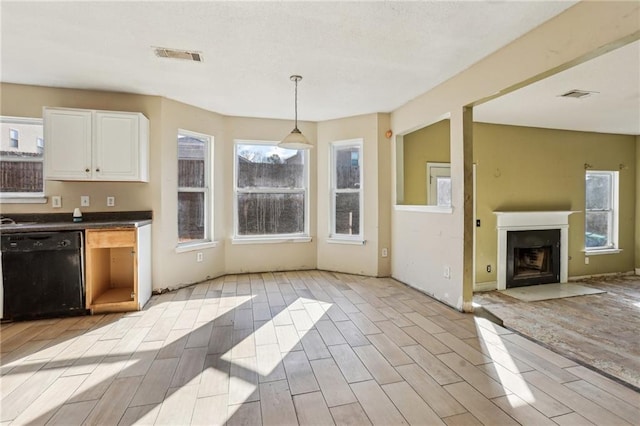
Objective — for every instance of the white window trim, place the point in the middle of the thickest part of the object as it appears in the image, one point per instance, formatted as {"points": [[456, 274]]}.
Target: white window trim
{"points": [[193, 246], [347, 241], [335, 238], [23, 197], [598, 252], [615, 204], [15, 132], [422, 209], [208, 240], [303, 237]]}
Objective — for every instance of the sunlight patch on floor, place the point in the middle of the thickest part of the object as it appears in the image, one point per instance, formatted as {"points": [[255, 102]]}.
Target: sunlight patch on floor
{"points": [[506, 368]]}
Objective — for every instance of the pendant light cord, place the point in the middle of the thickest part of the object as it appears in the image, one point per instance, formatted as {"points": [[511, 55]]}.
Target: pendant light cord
{"points": [[296, 104]]}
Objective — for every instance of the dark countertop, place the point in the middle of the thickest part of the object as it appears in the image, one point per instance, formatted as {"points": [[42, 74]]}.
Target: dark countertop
{"points": [[64, 221]]}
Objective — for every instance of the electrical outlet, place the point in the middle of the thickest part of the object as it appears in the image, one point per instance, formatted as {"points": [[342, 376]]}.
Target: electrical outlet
{"points": [[488, 268], [84, 201], [56, 201], [447, 272], [586, 260], [199, 257], [111, 201], [385, 252]]}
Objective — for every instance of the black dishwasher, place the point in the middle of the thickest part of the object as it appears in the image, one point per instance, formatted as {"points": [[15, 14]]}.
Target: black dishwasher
{"points": [[42, 275]]}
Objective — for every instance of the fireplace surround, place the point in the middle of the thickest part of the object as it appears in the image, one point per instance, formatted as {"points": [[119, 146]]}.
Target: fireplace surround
{"points": [[541, 257]]}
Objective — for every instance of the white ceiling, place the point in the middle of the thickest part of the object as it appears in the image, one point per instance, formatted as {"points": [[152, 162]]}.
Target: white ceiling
{"points": [[615, 108], [355, 57]]}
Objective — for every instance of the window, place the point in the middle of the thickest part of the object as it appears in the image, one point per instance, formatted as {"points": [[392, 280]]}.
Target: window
{"points": [[346, 189], [439, 184], [21, 164], [601, 216], [194, 186], [270, 189], [14, 138]]}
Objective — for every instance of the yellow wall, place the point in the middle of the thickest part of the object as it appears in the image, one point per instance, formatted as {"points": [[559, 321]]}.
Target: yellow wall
{"points": [[524, 168], [427, 145], [521, 168]]}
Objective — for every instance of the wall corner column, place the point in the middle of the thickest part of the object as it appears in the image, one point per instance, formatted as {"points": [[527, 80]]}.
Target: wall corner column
{"points": [[467, 272]]}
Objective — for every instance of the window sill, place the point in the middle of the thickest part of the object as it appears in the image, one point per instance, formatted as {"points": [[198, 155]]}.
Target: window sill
{"points": [[274, 240], [600, 252], [351, 241], [184, 248], [423, 209], [23, 200]]}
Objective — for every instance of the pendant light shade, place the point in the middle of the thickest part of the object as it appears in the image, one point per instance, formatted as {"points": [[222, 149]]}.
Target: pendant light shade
{"points": [[295, 139]]}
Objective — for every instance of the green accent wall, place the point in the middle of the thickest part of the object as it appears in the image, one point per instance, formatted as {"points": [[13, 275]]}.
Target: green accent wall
{"points": [[524, 168], [427, 145]]}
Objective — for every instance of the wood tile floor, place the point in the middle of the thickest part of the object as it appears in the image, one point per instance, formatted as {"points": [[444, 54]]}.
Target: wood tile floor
{"points": [[600, 330], [295, 348]]}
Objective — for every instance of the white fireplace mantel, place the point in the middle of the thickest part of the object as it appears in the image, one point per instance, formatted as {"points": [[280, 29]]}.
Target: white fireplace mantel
{"points": [[532, 220]]}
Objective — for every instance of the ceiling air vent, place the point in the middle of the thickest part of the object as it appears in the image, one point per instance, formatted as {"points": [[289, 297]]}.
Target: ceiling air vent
{"points": [[577, 94], [164, 52]]}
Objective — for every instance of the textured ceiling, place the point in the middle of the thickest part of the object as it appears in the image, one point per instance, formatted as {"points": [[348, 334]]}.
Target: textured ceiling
{"points": [[355, 57], [614, 108]]}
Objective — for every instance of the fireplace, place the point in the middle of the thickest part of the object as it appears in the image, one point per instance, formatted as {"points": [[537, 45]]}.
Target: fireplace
{"points": [[533, 257], [533, 248]]}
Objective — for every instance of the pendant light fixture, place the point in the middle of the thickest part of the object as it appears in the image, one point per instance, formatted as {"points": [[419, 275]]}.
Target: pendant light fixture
{"points": [[295, 139]]}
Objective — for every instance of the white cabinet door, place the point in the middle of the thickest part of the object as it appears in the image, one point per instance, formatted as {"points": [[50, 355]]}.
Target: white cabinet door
{"points": [[118, 139], [96, 145], [67, 153]]}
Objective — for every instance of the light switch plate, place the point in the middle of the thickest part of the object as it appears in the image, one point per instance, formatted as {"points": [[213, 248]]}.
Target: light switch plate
{"points": [[84, 201], [56, 201]]}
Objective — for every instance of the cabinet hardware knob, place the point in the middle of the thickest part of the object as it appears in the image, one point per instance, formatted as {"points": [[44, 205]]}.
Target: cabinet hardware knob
{"points": [[87, 170], [98, 169]]}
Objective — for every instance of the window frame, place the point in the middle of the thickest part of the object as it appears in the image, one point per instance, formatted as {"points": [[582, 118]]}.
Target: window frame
{"points": [[24, 197], [269, 238], [14, 138], [436, 170], [333, 191], [613, 213], [208, 239]]}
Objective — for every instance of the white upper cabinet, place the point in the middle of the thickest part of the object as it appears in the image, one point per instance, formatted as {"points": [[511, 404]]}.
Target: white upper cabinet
{"points": [[96, 145], [67, 148]]}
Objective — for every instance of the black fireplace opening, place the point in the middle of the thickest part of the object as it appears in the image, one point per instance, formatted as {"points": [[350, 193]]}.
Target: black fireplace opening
{"points": [[533, 257]]}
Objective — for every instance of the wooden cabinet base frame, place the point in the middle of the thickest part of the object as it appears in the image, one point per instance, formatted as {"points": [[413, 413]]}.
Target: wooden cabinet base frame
{"points": [[118, 269]]}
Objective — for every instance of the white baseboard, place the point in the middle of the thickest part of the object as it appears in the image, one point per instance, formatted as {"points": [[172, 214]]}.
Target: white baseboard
{"points": [[486, 286]]}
